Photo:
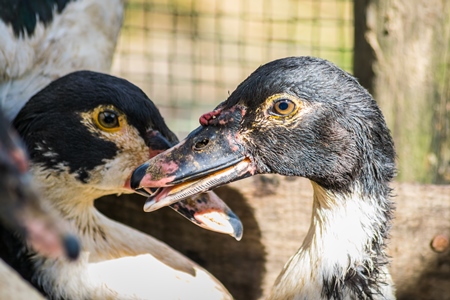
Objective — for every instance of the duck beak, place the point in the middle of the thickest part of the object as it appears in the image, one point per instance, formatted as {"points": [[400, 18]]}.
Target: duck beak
{"points": [[209, 157], [206, 210]]}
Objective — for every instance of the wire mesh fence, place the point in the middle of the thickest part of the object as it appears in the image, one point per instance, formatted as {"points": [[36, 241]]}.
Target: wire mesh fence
{"points": [[187, 55]]}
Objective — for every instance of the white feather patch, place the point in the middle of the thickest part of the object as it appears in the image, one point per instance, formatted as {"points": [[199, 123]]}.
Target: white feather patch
{"points": [[82, 37], [341, 228]]}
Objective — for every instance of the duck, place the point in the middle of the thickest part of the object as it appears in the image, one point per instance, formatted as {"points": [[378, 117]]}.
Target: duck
{"points": [[39, 38], [299, 116], [41, 41], [22, 211], [85, 133]]}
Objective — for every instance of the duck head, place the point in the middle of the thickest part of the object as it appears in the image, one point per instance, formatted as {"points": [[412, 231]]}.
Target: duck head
{"points": [[297, 116], [87, 131]]}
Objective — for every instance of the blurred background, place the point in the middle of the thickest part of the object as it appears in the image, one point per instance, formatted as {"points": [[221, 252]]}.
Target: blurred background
{"points": [[187, 55]]}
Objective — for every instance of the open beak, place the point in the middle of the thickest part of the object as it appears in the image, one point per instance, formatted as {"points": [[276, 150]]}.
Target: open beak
{"points": [[209, 157], [206, 210]]}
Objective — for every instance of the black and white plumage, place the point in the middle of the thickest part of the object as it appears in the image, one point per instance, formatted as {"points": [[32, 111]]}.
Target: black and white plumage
{"points": [[85, 133], [300, 116], [22, 212], [42, 40]]}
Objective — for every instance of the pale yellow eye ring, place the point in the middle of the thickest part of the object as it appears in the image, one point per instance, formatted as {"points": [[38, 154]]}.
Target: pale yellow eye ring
{"points": [[283, 105], [108, 120]]}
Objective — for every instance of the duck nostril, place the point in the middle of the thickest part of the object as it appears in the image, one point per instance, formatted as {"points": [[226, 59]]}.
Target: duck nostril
{"points": [[201, 145]]}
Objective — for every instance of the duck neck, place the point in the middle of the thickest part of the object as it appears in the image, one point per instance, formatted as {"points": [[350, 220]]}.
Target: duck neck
{"points": [[78, 209], [343, 253], [74, 202]]}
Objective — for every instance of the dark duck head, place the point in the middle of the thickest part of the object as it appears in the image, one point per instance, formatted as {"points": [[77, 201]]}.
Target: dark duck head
{"points": [[299, 116], [85, 133]]}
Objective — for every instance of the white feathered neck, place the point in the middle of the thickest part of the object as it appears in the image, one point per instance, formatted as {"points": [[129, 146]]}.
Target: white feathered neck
{"points": [[117, 262], [344, 246]]}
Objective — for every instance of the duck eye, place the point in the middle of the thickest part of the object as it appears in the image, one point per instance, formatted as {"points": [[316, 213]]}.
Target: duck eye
{"points": [[283, 107], [108, 120]]}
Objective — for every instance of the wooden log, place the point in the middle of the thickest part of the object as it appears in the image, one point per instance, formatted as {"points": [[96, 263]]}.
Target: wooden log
{"points": [[276, 214], [402, 55]]}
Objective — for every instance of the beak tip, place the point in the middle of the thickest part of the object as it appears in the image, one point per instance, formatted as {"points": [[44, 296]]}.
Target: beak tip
{"points": [[149, 206], [238, 228], [72, 247], [138, 174]]}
